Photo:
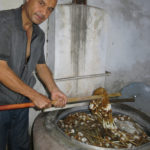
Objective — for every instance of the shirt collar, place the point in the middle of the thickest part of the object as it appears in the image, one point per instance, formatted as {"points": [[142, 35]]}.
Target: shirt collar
{"points": [[19, 18], [19, 21]]}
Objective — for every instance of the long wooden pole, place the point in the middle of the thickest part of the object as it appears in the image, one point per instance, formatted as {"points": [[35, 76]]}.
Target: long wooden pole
{"points": [[70, 100]]}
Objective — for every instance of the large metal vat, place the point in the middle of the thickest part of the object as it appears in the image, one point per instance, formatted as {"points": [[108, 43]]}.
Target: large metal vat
{"points": [[48, 136]]}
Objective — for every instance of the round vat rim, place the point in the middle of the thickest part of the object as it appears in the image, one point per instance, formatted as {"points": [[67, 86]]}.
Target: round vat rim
{"points": [[124, 107]]}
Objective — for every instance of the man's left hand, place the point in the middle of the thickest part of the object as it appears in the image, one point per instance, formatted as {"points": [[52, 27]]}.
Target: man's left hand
{"points": [[60, 97]]}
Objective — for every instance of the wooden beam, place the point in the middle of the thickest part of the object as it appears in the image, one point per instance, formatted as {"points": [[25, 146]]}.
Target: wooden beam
{"points": [[79, 2]]}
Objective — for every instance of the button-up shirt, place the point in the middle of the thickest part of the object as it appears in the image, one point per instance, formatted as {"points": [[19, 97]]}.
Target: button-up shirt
{"points": [[13, 45]]}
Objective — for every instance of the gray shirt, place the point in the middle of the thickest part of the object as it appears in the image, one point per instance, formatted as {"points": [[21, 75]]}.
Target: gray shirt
{"points": [[13, 43]]}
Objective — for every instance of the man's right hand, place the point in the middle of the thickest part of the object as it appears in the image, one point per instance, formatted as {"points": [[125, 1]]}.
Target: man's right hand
{"points": [[41, 101], [14, 83]]}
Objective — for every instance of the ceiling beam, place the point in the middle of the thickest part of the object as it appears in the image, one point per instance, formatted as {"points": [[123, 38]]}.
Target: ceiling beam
{"points": [[79, 2]]}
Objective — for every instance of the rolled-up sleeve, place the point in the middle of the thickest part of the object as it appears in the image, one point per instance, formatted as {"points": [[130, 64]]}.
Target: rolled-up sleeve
{"points": [[5, 38]]}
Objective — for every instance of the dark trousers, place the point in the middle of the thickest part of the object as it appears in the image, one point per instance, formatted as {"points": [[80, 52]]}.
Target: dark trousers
{"points": [[14, 129]]}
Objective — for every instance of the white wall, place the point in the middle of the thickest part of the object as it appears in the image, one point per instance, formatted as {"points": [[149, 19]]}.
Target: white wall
{"points": [[77, 47], [128, 48], [6, 4], [129, 41]]}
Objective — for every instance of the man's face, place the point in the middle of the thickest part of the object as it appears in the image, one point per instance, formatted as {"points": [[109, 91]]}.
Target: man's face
{"points": [[39, 10]]}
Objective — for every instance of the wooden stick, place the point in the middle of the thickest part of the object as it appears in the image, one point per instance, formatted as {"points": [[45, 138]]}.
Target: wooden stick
{"points": [[16, 106], [78, 99], [74, 99], [86, 104], [25, 105], [114, 95]]}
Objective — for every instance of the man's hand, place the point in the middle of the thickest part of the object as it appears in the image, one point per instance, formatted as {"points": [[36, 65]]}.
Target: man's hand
{"points": [[60, 97], [41, 101], [46, 77]]}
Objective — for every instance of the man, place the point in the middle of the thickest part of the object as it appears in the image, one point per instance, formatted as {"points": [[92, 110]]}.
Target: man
{"points": [[21, 52]]}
